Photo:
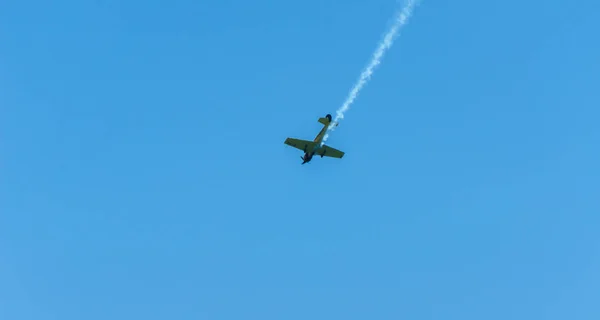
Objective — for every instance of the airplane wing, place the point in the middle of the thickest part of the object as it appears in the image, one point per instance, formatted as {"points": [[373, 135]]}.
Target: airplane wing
{"points": [[328, 151], [303, 145]]}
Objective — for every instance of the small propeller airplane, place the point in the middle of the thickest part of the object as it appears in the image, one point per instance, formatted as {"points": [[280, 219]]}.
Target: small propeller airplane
{"points": [[311, 148]]}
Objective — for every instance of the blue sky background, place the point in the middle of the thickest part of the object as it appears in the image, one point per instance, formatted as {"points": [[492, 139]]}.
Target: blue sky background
{"points": [[144, 174]]}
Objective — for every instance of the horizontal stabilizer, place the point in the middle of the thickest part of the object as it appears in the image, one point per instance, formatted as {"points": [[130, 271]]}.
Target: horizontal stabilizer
{"points": [[324, 121]]}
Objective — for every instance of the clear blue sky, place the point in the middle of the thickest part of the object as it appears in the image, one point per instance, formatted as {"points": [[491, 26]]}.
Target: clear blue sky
{"points": [[144, 174]]}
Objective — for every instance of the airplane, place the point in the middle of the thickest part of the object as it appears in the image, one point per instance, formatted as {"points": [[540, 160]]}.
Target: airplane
{"points": [[311, 148]]}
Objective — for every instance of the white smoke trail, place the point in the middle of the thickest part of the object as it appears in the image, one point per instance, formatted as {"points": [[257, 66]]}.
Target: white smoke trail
{"points": [[401, 19]]}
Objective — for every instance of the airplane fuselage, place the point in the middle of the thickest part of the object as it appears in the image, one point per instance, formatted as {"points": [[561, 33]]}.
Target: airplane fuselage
{"points": [[308, 154]]}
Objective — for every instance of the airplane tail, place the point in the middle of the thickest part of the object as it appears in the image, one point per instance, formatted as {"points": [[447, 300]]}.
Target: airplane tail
{"points": [[325, 120]]}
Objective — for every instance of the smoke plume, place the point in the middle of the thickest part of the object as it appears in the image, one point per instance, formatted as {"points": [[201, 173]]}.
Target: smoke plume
{"points": [[401, 19]]}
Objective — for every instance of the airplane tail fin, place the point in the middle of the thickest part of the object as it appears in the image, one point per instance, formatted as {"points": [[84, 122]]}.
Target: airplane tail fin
{"points": [[325, 120]]}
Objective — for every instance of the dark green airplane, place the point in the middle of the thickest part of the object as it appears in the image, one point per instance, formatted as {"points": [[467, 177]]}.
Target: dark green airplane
{"points": [[311, 148]]}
